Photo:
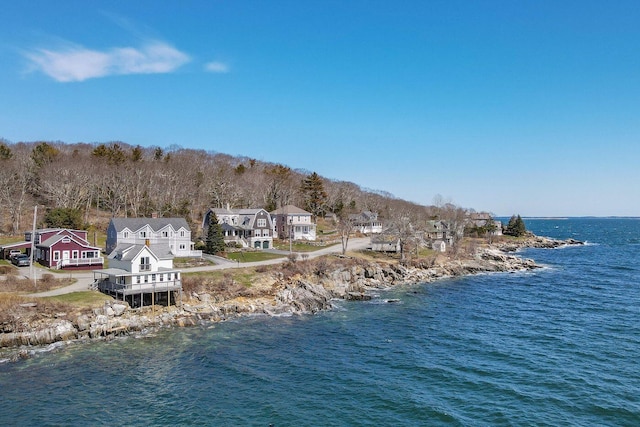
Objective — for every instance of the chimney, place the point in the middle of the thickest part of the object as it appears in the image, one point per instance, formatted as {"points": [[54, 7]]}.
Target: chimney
{"points": [[154, 214], [147, 242]]}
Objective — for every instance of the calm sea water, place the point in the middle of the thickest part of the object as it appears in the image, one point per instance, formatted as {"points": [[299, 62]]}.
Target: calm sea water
{"points": [[558, 346]]}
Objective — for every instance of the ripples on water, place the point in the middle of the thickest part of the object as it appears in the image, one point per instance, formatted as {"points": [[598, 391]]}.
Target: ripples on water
{"points": [[554, 347]]}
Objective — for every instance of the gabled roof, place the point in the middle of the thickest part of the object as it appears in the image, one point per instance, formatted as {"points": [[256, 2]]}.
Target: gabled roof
{"points": [[51, 241], [436, 225], [246, 217], [156, 224], [385, 239], [128, 252], [365, 216], [290, 210], [48, 230], [63, 233]]}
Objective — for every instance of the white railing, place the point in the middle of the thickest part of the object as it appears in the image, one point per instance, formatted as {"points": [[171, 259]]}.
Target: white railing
{"points": [[128, 288], [79, 262]]}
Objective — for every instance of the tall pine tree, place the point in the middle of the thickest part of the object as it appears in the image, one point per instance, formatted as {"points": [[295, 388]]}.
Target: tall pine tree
{"points": [[314, 195], [215, 236]]}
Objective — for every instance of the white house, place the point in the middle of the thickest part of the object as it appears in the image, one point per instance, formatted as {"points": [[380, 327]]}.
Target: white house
{"points": [[174, 232], [366, 222], [248, 227], [292, 222], [141, 275]]}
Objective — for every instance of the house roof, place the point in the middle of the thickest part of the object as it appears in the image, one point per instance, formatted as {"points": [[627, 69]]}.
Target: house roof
{"points": [[18, 245], [436, 225], [51, 241], [156, 224], [48, 230], [246, 217], [128, 252], [384, 238], [365, 216], [289, 210], [227, 211]]}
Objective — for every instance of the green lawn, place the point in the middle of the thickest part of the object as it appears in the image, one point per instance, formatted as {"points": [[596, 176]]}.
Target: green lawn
{"points": [[83, 299], [252, 256]]}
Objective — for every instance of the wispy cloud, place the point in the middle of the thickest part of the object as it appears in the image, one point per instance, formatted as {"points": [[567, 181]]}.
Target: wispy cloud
{"points": [[77, 63], [217, 67]]}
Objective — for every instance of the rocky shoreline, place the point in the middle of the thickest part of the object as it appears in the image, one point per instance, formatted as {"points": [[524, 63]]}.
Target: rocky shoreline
{"points": [[299, 294]]}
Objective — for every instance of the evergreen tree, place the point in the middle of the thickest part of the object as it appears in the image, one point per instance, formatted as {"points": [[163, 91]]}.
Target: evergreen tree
{"points": [[64, 218], [43, 154], [314, 194], [516, 227], [5, 152], [215, 236]]}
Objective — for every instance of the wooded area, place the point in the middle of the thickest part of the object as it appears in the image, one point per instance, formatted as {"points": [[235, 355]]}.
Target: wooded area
{"points": [[115, 179]]}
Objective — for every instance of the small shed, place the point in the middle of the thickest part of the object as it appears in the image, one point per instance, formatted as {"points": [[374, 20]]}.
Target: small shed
{"points": [[385, 243]]}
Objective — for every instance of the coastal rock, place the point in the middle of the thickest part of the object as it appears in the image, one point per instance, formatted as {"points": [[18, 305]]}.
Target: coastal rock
{"points": [[83, 322], [204, 297], [305, 297], [118, 309], [358, 296]]}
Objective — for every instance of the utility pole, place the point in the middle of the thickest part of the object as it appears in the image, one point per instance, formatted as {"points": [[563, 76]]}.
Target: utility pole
{"points": [[33, 247]]}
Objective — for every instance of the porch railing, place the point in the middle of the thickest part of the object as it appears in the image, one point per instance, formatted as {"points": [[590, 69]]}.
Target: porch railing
{"points": [[79, 262]]}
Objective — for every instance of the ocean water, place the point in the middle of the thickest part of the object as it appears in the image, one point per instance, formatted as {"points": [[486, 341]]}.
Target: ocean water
{"points": [[558, 346]]}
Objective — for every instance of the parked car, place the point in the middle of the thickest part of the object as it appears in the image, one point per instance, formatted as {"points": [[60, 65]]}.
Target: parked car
{"points": [[21, 260], [14, 253]]}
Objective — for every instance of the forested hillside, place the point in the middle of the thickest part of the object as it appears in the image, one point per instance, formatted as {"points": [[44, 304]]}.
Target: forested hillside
{"points": [[115, 179]]}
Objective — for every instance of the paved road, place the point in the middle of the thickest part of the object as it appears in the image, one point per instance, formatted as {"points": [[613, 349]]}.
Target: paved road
{"points": [[85, 278]]}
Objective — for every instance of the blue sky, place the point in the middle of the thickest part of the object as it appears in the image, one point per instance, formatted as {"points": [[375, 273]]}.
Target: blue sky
{"points": [[529, 107]]}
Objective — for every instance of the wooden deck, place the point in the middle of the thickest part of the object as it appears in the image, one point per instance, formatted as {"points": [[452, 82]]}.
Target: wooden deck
{"points": [[143, 294]]}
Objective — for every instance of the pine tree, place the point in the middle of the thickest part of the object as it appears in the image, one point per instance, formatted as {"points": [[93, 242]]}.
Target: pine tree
{"points": [[516, 227], [314, 194], [215, 236]]}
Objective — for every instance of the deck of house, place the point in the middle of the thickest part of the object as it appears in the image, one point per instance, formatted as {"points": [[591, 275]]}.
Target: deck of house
{"points": [[139, 294]]}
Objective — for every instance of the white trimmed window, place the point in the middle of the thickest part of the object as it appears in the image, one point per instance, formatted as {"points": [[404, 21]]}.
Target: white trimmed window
{"points": [[262, 222]]}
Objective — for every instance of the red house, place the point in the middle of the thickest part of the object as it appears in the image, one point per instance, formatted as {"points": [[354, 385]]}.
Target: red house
{"points": [[63, 248]]}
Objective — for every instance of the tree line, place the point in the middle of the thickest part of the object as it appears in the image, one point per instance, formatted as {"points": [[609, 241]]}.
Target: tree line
{"points": [[92, 182]]}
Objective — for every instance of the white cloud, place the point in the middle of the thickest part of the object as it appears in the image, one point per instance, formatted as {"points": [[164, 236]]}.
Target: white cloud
{"points": [[76, 63], [217, 67]]}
